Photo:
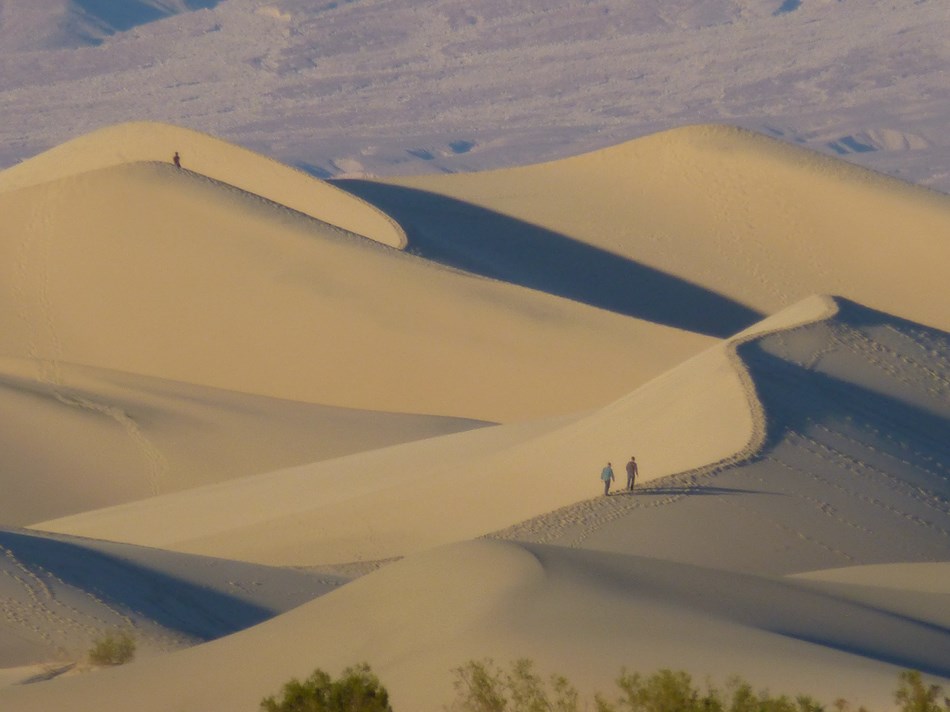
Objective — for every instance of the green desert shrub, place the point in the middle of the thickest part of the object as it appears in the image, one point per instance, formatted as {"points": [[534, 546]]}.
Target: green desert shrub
{"points": [[481, 686], [674, 691], [112, 649], [357, 690], [914, 696]]}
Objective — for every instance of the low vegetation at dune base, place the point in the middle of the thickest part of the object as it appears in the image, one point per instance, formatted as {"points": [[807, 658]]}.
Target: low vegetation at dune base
{"points": [[112, 649], [357, 690], [482, 686]]}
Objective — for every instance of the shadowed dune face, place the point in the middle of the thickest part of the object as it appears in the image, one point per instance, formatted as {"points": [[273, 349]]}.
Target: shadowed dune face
{"points": [[851, 469], [199, 613], [488, 243], [708, 209], [146, 269], [584, 613], [832, 440], [60, 594]]}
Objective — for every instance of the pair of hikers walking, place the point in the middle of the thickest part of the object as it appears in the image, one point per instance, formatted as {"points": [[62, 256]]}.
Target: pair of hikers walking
{"points": [[607, 475]]}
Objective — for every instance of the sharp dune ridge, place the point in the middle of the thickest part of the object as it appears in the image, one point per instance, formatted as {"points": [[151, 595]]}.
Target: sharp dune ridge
{"points": [[235, 266], [208, 156], [760, 223], [447, 402]]}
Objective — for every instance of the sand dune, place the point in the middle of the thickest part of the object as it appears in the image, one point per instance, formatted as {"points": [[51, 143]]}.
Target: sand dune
{"points": [[827, 439], [145, 269], [685, 573], [453, 487], [790, 523], [582, 611], [850, 470], [61, 594], [756, 222], [209, 156], [153, 436]]}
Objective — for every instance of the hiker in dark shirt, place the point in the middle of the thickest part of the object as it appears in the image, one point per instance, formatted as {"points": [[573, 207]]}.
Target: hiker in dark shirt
{"points": [[632, 470]]}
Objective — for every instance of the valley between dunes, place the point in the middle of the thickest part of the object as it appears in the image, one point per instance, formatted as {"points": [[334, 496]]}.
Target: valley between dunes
{"points": [[271, 423]]}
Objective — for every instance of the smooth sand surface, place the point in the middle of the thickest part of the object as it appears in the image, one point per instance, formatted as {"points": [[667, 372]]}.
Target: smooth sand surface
{"points": [[452, 487], [151, 141], [790, 520], [146, 269], [155, 436], [579, 611], [748, 221], [62, 594]]}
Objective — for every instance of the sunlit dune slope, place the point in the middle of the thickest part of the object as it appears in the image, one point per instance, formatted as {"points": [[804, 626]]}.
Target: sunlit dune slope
{"points": [[146, 269], [582, 613], [77, 438], [708, 220], [397, 500], [828, 422], [813, 444], [151, 141]]}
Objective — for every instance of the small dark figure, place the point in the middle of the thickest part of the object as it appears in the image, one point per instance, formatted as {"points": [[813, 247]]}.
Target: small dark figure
{"points": [[176, 159], [607, 475], [632, 470]]}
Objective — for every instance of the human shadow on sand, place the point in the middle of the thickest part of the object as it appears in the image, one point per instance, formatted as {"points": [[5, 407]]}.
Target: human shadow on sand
{"points": [[686, 491], [481, 241]]}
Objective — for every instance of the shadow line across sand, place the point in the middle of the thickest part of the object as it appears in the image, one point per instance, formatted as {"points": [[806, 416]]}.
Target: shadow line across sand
{"points": [[481, 241], [176, 604], [685, 491]]}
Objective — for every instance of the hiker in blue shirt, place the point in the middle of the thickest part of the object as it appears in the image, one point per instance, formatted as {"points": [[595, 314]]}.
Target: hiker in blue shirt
{"points": [[607, 475]]}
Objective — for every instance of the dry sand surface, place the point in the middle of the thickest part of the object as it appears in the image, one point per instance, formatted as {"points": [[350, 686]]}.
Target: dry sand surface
{"points": [[143, 268], [255, 404], [757, 222], [60, 593], [269, 180], [155, 436]]}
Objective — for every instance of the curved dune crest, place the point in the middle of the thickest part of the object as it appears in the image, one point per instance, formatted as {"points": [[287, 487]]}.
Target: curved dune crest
{"points": [[703, 413], [212, 157], [850, 469], [144, 269], [831, 437], [754, 219]]}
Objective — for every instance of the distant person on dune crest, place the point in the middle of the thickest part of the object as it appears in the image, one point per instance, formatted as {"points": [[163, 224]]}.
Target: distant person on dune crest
{"points": [[176, 159], [607, 475], [632, 470]]}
